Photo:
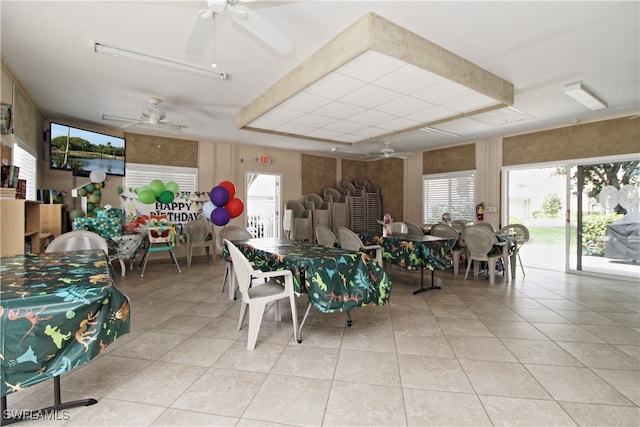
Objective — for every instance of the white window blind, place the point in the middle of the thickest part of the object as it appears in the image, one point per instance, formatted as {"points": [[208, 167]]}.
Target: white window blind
{"points": [[24, 157], [450, 192], [140, 175]]}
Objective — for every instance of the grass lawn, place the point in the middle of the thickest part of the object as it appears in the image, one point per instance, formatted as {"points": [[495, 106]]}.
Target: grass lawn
{"points": [[550, 235]]}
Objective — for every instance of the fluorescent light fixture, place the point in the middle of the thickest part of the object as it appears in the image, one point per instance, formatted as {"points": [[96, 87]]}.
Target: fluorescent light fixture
{"points": [[584, 96], [108, 49], [439, 131]]}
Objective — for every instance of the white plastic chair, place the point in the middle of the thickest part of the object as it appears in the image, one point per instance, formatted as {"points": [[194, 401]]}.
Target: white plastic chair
{"points": [[325, 237], [480, 243], [457, 249], [399, 227], [522, 237], [459, 225], [234, 234], [485, 224], [199, 234], [77, 241], [414, 230], [350, 241], [256, 297]]}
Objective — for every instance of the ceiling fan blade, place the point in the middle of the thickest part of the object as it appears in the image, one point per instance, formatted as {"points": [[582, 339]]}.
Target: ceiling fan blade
{"points": [[138, 122], [260, 28], [200, 34]]}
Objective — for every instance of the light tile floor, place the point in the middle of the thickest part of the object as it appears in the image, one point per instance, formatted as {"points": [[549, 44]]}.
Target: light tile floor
{"points": [[548, 349]]}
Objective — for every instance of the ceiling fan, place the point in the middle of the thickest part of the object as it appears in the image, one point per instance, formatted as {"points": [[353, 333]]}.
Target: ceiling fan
{"points": [[248, 19], [388, 152], [152, 115]]}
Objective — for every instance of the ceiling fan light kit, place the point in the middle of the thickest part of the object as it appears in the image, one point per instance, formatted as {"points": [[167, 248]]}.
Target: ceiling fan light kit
{"points": [[151, 115], [109, 49]]}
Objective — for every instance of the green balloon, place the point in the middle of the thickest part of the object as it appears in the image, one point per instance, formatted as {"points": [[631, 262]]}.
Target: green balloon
{"points": [[138, 190], [94, 198], [156, 186], [90, 207], [76, 213], [172, 186], [166, 197], [82, 192], [147, 197], [90, 188], [97, 192]]}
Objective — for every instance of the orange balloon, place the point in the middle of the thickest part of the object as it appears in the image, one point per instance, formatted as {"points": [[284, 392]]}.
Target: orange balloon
{"points": [[234, 207], [228, 185]]}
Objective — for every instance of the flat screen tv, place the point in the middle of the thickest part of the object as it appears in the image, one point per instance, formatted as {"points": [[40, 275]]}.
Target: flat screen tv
{"points": [[82, 151]]}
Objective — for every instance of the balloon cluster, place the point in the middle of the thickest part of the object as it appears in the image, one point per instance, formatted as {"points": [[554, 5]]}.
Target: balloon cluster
{"points": [[93, 193], [223, 204], [157, 191]]}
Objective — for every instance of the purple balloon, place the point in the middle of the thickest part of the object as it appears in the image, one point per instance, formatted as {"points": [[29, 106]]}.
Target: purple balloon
{"points": [[219, 196], [220, 217]]}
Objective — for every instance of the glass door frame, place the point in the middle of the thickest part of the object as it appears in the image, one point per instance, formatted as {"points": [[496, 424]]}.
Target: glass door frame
{"points": [[570, 165], [277, 203]]}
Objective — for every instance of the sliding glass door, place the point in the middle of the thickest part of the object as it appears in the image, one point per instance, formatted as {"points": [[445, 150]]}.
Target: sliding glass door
{"points": [[582, 216], [604, 201], [536, 198]]}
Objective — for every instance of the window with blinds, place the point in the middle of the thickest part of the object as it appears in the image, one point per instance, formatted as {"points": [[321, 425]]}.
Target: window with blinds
{"points": [[140, 175], [24, 157], [448, 192]]}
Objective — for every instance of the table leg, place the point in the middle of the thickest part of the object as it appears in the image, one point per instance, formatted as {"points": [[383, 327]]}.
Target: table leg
{"points": [[514, 257], [422, 288], [506, 261], [49, 412]]}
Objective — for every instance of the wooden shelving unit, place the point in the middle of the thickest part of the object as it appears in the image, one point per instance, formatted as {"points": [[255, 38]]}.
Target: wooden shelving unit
{"points": [[25, 226]]}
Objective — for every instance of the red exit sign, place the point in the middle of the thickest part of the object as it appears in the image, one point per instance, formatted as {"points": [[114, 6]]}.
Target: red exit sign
{"points": [[264, 160]]}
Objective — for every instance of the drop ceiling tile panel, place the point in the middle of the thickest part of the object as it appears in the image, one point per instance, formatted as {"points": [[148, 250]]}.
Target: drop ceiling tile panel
{"points": [[313, 120], [339, 110], [404, 106], [432, 114], [305, 102], [371, 117], [399, 124], [370, 96], [345, 126], [502, 116], [443, 92], [370, 66], [334, 86], [409, 79], [276, 117]]}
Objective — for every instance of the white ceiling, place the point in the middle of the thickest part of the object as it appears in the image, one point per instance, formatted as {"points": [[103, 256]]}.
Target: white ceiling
{"points": [[539, 47]]}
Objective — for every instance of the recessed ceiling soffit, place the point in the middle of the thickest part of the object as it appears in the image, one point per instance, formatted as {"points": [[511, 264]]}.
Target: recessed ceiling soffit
{"points": [[374, 80]]}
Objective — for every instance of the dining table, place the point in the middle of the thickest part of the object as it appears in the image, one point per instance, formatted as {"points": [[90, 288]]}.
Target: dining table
{"points": [[414, 252], [58, 311], [335, 279]]}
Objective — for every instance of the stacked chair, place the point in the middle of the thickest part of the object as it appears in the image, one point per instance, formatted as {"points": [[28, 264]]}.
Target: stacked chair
{"points": [[301, 222]]}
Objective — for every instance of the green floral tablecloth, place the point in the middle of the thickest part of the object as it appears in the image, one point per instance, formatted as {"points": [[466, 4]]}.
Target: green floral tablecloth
{"points": [[413, 252], [57, 312], [335, 279]]}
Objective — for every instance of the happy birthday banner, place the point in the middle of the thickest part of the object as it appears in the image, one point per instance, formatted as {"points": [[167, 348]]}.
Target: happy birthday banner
{"points": [[185, 206]]}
